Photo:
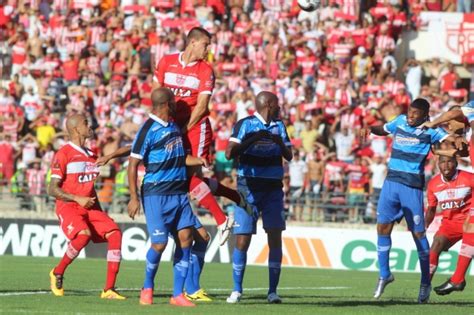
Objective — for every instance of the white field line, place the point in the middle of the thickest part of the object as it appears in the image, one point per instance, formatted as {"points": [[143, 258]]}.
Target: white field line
{"points": [[17, 293]]}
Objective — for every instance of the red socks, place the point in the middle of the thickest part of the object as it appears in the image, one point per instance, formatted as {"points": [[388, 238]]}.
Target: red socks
{"points": [[201, 192], [434, 257], [464, 259], [113, 258], [220, 190], [73, 249]]}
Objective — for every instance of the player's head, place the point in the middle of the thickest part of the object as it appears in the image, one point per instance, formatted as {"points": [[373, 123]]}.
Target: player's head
{"points": [[198, 41], [447, 166], [267, 101], [77, 126], [162, 99], [418, 112]]}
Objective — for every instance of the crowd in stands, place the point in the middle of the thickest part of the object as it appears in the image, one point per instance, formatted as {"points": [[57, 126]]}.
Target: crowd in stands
{"points": [[334, 71]]}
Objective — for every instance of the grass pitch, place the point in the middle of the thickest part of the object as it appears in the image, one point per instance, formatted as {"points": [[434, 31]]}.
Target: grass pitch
{"points": [[24, 289]]}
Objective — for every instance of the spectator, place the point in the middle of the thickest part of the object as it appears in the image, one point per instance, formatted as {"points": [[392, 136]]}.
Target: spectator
{"points": [[298, 172]]}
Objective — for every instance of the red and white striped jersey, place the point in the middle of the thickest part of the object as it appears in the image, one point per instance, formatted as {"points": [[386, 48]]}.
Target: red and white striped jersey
{"points": [[385, 42], [76, 168], [454, 196], [186, 81]]}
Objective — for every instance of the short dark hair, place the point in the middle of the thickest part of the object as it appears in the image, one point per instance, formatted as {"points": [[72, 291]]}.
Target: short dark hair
{"points": [[422, 104], [197, 33]]}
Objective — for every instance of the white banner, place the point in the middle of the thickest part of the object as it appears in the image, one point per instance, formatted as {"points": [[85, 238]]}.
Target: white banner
{"points": [[445, 35]]}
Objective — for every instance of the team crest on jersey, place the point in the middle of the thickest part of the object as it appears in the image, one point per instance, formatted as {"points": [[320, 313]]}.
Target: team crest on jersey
{"points": [[180, 79], [451, 194], [170, 146]]}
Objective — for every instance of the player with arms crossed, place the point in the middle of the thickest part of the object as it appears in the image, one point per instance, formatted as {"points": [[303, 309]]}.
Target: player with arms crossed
{"points": [[458, 282], [402, 191], [451, 190], [260, 142], [164, 193], [192, 81], [73, 173]]}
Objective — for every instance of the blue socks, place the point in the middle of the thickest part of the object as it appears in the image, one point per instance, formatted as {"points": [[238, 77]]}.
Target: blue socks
{"points": [[423, 248], [239, 260], [384, 243], [180, 268], [274, 268], [198, 252], [152, 261]]}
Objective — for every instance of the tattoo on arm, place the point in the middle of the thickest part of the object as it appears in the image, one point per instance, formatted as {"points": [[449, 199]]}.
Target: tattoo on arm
{"points": [[56, 192]]}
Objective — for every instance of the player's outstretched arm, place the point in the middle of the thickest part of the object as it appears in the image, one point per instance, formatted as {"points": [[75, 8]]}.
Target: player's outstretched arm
{"points": [[445, 117], [429, 216], [121, 152], [55, 191], [134, 203]]}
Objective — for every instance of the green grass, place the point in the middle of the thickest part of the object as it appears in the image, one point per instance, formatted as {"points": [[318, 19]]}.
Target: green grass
{"points": [[302, 291]]}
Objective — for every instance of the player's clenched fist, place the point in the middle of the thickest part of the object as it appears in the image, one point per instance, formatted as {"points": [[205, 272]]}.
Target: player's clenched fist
{"points": [[133, 208], [85, 202]]}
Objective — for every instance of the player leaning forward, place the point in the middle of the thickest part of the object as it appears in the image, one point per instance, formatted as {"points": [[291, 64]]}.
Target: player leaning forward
{"points": [[260, 142], [402, 191], [81, 218], [164, 193]]}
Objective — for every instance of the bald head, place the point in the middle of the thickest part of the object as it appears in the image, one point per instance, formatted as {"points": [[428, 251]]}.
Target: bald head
{"points": [[74, 121], [161, 97], [264, 99]]}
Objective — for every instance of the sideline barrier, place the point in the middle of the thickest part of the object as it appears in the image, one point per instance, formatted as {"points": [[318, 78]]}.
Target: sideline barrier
{"points": [[309, 247]]}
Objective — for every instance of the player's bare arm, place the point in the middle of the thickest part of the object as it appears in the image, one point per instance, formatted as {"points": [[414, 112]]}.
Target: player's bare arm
{"points": [[121, 152], [235, 149], [196, 161], [445, 117], [134, 203], [200, 111], [429, 216], [55, 191]]}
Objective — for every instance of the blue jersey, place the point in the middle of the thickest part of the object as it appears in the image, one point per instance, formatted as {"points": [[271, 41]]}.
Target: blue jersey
{"points": [[468, 111], [261, 163], [160, 146], [411, 146]]}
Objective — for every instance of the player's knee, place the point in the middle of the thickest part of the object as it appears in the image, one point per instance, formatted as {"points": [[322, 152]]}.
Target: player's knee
{"points": [[159, 247], [384, 229], [114, 239], [243, 242], [85, 232], [419, 235]]}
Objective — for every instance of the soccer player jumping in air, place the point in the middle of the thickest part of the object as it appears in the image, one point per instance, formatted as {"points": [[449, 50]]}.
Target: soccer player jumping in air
{"points": [[191, 79], [74, 171], [402, 191], [260, 142]]}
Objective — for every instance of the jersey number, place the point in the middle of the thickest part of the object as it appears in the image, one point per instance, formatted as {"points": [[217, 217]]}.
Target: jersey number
{"points": [[181, 92]]}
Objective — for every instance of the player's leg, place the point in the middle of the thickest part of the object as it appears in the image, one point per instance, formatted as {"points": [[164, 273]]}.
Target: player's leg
{"points": [[183, 227], [193, 289], [388, 211], [413, 210], [271, 205], [158, 229], [245, 226], [457, 282], [440, 244], [74, 225]]}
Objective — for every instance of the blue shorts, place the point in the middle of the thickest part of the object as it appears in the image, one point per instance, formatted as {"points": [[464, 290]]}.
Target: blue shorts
{"points": [[397, 201], [268, 203], [167, 214]]}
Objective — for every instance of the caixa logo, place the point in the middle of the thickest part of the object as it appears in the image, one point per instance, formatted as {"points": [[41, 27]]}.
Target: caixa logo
{"points": [[362, 255]]}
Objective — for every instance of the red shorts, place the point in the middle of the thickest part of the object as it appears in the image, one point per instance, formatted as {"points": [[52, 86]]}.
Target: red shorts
{"points": [[197, 140], [74, 219], [452, 230]]}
